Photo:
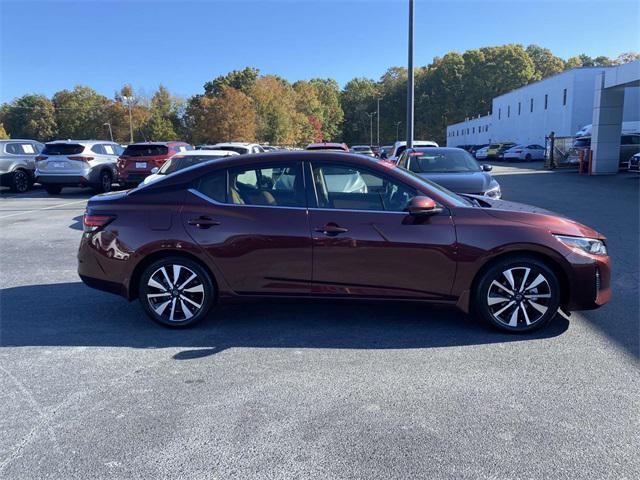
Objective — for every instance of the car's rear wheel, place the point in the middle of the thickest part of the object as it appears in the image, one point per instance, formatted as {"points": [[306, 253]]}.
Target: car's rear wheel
{"points": [[176, 292], [528, 157], [53, 189], [105, 181], [20, 181], [518, 294]]}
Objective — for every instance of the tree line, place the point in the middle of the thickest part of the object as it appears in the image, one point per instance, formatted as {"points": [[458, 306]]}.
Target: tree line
{"points": [[247, 106]]}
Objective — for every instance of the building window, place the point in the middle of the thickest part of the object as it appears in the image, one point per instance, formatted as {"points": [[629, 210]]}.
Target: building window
{"points": [[531, 106], [499, 113], [519, 108], [473, 130], [564, 97], [508, 111], [546, 101]]}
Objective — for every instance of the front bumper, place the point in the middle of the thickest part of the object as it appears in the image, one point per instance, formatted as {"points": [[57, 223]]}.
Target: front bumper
{"points": [[589, 283]]}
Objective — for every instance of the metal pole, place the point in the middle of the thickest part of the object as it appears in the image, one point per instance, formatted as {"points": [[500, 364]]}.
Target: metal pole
{"points": [[110, 131], [378, 127], [410, 80], [397, 130]]}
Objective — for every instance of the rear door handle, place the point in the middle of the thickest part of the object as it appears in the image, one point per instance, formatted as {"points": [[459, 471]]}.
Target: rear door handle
{"points": [[203, 222], [332, 229]]}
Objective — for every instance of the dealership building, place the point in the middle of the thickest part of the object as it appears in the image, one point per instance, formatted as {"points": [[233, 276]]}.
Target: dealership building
{"points": [[564, 103]]}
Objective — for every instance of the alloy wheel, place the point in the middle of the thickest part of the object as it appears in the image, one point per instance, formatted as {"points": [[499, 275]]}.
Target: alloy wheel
{"points": [[175, 293], [519, 297], [20, 181]]}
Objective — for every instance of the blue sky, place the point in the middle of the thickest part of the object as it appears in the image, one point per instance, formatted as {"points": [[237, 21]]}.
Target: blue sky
{"points": [[51, 45]]}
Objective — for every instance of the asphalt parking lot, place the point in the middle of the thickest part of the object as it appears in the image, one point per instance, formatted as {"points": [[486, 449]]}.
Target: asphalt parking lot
{"points": [[90, 388]]}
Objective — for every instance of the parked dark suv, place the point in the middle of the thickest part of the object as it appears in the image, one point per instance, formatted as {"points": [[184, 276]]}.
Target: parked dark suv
{"points": [[335, 225], [138, 159]]}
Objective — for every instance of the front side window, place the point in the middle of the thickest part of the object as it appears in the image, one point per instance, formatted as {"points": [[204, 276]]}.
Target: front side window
{"points": [[267, 185], [346, 187]]}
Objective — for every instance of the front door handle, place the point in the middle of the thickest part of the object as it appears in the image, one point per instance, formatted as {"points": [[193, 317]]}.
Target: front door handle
{"points": [[332, 229], [203, 222]]}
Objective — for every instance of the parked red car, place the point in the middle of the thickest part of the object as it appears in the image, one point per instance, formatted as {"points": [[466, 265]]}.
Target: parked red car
{"points": [[138, 159], [335, 225]]}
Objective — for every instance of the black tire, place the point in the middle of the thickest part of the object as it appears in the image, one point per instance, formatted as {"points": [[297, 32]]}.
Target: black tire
{"points": [[180, 302], [104, 182], [528, 157], [20, 181], [510, 307], [53, 189]]}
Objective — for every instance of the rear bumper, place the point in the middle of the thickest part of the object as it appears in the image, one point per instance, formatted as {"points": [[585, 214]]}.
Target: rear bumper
{"points": [[69, 180], [132, 177]]}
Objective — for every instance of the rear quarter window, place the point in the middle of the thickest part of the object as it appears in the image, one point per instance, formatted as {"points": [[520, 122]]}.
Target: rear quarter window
{"points": [[213, 185]]}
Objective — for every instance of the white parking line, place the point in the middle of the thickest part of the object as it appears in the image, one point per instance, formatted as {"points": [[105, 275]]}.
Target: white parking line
{"points": [[45, 208]]}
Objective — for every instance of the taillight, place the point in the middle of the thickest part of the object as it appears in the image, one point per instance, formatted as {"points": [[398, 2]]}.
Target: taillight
{"points": [[93, 223], [40, 158], [81, 158]]}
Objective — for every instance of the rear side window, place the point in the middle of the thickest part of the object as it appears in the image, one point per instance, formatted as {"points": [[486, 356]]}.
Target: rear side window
{"points": [[108, 149], [16, 148], [62, 149], [214, 185], [145, 150], [267, 185]]}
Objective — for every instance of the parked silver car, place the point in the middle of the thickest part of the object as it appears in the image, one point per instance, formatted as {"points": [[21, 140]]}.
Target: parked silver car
{"points": [[77, 163], [17, 163]]}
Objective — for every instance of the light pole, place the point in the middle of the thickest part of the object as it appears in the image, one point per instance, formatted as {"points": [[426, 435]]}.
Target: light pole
{"points": [[397, 129], [378, 126], [129, 101], [410, 80], [107, 124], [370, 115]]}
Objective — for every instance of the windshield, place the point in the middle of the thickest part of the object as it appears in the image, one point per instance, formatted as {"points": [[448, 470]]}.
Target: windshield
{"points": [[239, 150], [179, 162], [447, 161]]}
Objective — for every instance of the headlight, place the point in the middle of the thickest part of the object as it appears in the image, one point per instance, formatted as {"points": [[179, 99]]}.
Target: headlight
{"points": [[591, 246], [493, 192]]}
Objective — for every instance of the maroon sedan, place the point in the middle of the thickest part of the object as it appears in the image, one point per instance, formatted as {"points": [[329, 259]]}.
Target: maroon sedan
{"points": [[334, 225]]}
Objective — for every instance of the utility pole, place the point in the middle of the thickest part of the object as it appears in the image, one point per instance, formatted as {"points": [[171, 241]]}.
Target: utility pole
{"points": [[410, 80], [107, 124], [378, 127], [397, 129], [370, 115], [130, 100]]}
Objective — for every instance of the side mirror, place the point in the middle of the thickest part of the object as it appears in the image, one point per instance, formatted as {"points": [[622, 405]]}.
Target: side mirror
{"points": [[154, 170], [487, 168], [422, 206]]}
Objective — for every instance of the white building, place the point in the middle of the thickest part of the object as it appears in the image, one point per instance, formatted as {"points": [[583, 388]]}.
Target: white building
{"points": [[563, 103]]}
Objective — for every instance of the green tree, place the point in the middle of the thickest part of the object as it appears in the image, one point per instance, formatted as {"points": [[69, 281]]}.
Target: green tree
{"points": [[81, 113], [358, 99], [30, 116], [545, 62], [627, 57], [164, 116], [274, 101], [242, 80], [332, 115]]}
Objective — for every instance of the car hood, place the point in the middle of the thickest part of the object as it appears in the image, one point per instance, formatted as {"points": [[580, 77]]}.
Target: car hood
{"points": [[537, 217], [461, 182]]}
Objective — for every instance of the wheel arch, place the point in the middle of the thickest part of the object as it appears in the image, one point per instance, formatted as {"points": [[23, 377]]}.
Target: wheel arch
{"points": [[548, 259], [134, 283]]}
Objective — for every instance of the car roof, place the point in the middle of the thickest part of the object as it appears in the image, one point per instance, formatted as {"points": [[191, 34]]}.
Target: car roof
{"points": [[207, 153], [436, 149], [159, 143], [232, 144], [327, 144], [82, 142], [4, 140]]}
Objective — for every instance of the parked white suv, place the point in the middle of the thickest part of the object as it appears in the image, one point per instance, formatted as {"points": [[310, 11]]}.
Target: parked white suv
{"points": [[240, 148], [77, 163], [400, 147]]}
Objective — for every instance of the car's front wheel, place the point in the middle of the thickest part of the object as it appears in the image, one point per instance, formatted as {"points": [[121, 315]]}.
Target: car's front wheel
{"points": [[518, 294], [176, 292]]}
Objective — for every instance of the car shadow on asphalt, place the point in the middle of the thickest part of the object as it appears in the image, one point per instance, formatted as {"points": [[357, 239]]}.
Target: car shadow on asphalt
{"points": [[71, 314]]}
